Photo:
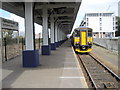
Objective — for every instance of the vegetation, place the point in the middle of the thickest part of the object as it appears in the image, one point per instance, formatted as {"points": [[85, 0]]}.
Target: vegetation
{"points": [[8, 37], [11, 38], [21, 39]]}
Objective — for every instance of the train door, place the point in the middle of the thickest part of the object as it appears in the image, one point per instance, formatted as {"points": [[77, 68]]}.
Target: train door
{"points": [[83, 37]]}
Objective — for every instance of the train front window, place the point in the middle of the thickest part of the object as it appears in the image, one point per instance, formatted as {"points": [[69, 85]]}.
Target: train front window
{"points": [[90, 33], [77, 33]]}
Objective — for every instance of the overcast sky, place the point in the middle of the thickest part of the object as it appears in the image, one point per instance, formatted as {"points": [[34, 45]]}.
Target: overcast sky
{"points": [[86, 6]]}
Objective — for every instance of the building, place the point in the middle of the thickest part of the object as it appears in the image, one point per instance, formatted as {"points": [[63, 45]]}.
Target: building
{"points": [[103, 24], [119, 8]]}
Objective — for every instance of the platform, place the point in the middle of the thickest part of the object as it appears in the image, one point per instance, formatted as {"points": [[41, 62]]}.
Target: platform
{"points": [[58, 70]]}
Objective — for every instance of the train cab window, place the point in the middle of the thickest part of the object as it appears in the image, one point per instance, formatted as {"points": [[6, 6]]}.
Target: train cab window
{"points": [[77, 33], [89, 33]]}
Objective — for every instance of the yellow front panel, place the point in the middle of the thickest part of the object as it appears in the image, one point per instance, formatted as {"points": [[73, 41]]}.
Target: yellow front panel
{"points": [[76, 39], [90, 39], [83, 38]]}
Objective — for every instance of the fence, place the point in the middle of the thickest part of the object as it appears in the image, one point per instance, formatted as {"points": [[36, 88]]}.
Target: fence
{"points": [[13, 45]]}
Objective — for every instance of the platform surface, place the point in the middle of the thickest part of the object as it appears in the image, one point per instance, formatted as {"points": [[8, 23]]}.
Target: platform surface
{"points": [[58, 70]]}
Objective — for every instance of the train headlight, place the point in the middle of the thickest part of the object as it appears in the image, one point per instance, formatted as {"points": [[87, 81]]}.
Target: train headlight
{"points": [[89, 42], [77, 42]]}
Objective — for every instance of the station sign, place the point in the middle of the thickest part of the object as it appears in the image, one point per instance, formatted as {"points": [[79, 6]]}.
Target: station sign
{"points": [[9, 24]]}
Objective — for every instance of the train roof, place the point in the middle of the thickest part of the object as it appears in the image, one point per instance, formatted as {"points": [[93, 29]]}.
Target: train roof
{"points": [[83, 27]]}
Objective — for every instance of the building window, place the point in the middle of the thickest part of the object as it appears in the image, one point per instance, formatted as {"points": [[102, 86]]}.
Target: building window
{"points": [[113, 19], [113, 28], [100, 19], [87, 19], [100, 28], [100, 24], [113, 23], [87, 24], [92, 14], [107, 14]]}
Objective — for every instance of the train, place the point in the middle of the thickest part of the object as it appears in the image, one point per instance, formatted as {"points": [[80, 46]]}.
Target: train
{"points": [[82, 39]]}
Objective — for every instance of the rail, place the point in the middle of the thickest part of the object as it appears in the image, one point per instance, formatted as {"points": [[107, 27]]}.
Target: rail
{"points": [[100, 75]]}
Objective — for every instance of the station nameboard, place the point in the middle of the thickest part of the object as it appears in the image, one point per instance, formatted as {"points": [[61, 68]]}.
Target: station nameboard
{"points": [[9, 24]]}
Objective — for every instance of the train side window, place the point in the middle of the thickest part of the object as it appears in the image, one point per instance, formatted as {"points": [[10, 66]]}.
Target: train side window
{"points": [[77, 34]]}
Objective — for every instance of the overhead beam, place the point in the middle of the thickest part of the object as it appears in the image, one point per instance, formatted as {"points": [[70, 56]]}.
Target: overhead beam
{"points": [[50, 6], [60, 20], [65, 23], [60, 15], [55, 6], [66, 27]]}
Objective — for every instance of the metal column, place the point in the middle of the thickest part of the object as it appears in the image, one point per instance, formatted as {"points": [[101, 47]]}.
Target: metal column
{"points": [[45, 47], [29, 37], [30, 55], [52, 35], [60, 36], [56, 34]]}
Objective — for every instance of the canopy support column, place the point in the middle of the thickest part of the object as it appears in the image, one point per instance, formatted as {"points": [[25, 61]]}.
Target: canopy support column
{"points": [[30, 55], [46, 50]]}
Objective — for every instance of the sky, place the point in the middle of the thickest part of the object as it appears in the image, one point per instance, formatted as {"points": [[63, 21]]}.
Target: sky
{"points": [[96, 6], [86, 6], [20, 20]]}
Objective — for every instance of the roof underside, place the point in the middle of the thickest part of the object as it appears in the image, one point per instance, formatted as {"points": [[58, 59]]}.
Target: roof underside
{"points": [[64, 12]]}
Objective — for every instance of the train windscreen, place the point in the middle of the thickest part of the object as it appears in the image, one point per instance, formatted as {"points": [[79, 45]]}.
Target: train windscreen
{"points": [[90, 33], [77, 33]]}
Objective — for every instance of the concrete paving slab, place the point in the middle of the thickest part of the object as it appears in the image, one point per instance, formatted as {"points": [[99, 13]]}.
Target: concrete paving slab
{"points": [[58, 70]]}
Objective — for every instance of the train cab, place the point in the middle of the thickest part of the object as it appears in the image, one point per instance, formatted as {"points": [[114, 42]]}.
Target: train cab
{"points": [[82, 39]]}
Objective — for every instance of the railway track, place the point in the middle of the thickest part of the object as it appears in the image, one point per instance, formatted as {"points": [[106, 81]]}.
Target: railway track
{"points": [[99, 75]]}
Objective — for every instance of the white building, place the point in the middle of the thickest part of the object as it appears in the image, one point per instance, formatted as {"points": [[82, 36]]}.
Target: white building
{"points": [[119, 8], [103, 24]]}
